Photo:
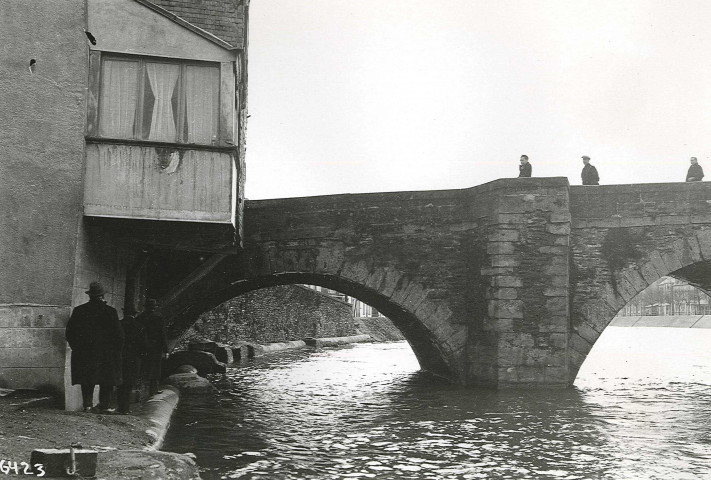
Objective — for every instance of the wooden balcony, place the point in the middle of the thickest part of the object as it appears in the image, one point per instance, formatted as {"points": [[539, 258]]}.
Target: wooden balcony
{"points": [[156, 182]]}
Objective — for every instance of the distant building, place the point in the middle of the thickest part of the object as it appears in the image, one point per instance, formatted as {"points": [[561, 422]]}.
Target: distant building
{"points": [[669, 296], [360, 309]]}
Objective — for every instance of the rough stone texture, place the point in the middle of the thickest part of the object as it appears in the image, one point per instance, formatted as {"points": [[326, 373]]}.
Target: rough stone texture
{"points": [[380, 329], [508, 283], [624, 237], [276, 314]]}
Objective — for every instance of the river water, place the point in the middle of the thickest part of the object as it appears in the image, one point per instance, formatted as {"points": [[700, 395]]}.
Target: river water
{"points": [[640, 409]]}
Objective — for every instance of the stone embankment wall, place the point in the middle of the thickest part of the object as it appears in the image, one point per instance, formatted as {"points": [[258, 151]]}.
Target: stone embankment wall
{"points": [[675, 321], [380, 329], [275, 314]]}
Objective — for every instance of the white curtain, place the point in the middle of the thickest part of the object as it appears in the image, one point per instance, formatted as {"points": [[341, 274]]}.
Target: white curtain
{"points": [[119, 80], [202, 89], [163, 78]]}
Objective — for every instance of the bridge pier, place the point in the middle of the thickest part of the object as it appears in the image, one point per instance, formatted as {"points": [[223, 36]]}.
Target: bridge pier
{"points": [[522, 337]]}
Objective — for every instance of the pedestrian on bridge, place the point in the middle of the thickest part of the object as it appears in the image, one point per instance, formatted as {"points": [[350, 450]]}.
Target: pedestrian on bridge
{"points": [[589, 173], [95, 336], [135, 347], [157, 344], [695, 173], [524, 170]]}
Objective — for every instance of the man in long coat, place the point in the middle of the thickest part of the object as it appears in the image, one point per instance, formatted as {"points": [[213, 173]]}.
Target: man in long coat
{"points": [[95, 336], [134, 348], [157, 344], [589, 174]]}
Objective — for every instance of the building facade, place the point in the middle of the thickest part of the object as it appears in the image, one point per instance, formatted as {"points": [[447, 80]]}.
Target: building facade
{"points": [[122, 154]]}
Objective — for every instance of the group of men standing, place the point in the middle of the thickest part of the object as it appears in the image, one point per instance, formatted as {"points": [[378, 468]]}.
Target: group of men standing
{"points": [[590, 176], [112, 353]]}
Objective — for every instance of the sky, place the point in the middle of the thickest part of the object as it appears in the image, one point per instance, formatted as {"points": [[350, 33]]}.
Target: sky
{"points": [[399, 95]]}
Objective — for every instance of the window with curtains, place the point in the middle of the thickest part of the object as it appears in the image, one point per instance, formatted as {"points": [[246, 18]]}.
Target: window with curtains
{"points": [[162, 101]]}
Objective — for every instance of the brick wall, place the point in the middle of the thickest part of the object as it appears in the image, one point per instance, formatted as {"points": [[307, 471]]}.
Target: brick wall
{"points": [[225, 19], [276, 314]]}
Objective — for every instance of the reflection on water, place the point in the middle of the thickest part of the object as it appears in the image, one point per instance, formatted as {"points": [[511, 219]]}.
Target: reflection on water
{"points": [[641, 408]]}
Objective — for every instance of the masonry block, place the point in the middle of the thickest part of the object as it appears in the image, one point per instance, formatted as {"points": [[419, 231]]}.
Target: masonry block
{"points": [[506, 308], [496, 271], [415, 295], [703, 238], [694, 249], [508, 218], [557, 270], [502, 293], [557, 340], [672, 261], [498, 324], [558, 228], [558, 250], [504, 236], [555, 292], [506, 281], [392, 277], [560, 217], [579, 344], [559, 280], [357, 272], [556, 375], [504, 261], [649, 273], [624, 289], [562, 240], [634, 277], [659, 264], [553, 324], [587, 332], [499, 248], [557, 306]]}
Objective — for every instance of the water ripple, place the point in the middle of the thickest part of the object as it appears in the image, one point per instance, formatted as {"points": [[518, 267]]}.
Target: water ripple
{"points": [[367, 412]]}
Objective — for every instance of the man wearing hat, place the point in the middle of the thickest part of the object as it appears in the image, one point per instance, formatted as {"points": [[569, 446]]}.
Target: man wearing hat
{"points": [[589, 175], [95, 336], [134, 348], [157, 344]]}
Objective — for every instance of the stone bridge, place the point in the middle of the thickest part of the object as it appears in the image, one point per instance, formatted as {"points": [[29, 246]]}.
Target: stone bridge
{"points": [[505, 284]]}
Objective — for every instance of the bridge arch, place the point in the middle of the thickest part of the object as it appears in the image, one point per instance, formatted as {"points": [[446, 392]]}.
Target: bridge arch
{"points": [[438, 343], [687, 258]]}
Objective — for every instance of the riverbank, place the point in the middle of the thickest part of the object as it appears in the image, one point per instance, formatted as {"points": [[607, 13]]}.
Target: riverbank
{"points": [[127, 444]]}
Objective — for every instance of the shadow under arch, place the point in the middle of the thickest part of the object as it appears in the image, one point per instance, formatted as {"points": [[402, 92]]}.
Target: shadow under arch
{"points": [[431, 353], [687, 258]]}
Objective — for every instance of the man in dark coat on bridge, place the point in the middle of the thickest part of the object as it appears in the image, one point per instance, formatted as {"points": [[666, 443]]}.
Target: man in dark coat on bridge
{"points": [[695, 173], [157, 344], [589, 174], [524, 169], [135, 347], [95, 336]]}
